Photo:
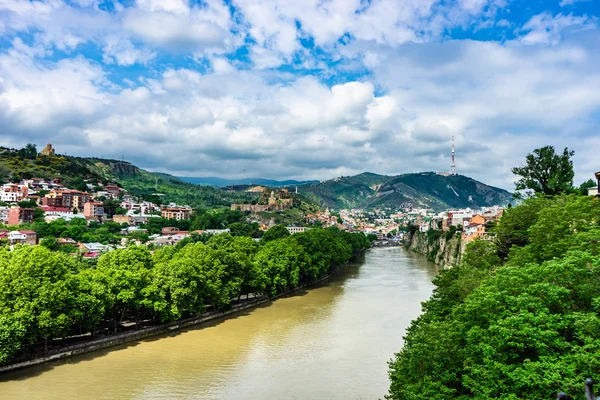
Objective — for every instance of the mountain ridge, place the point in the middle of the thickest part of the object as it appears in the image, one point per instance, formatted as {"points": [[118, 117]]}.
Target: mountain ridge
{"points": [[421, 189], [366, 190]]}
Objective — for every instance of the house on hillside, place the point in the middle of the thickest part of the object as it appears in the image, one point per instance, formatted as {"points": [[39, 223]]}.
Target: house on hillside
{"points": [[21, 237]]}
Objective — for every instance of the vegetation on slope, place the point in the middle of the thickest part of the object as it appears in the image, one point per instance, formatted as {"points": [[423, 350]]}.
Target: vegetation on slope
{"points": [[519, 318], [73, 171], [420, 190], [344, 192]]}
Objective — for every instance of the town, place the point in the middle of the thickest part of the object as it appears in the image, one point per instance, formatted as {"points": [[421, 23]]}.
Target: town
{"points": [[132, 220]]}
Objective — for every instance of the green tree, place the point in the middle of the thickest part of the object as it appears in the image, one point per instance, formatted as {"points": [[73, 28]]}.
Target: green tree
{"points": [[274, 233], [281, 261], [583, 188], [126, 273], [37, 289], [50, 242], [546, 172]]}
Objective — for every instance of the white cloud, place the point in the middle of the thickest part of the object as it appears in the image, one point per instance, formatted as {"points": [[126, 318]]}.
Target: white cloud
{"points": [[501, 100], [277, 25], [123, 52], [547, 29], [565, 3], [173, 25]]}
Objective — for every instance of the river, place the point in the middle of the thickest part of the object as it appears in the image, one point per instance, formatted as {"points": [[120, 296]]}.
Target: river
{"points": [[331, 341]]}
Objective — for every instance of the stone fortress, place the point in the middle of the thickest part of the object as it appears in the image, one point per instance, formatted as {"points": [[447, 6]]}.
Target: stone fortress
{"points": [[48, 151], [282, 201]]}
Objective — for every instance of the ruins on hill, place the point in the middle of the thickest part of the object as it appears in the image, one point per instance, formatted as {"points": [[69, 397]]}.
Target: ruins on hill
{"points": [[282, 201], [48, 150]]}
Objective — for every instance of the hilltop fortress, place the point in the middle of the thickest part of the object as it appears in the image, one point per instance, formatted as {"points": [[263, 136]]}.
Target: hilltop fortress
{"points": [[282, 201]]}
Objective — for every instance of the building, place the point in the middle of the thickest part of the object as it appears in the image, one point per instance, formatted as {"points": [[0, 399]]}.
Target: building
{"points": [[217, 231], [113, 191], [21, 237], [60, 212], [19, 215], [71, 199], [274, 203], [176, 212], [48, 150], [12, 193], [93, 209], [123, 219], [296, 229]]}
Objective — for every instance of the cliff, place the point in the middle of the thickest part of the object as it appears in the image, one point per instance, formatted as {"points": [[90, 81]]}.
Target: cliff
{"points": [[441, 248]]}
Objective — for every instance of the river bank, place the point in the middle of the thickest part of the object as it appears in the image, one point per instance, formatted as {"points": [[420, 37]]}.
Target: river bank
{"points": [[445, 250], [133, 336]]}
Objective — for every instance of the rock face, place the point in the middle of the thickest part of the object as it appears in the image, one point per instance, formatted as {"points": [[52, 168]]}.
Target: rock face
{"points": [[444, 252], [122, 168]]}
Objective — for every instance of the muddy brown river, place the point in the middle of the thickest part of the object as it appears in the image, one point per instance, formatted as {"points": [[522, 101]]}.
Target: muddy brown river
{"points": [[332, 341]]}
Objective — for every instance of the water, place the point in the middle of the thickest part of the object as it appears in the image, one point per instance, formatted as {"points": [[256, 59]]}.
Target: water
{"points": [[329, 342]]}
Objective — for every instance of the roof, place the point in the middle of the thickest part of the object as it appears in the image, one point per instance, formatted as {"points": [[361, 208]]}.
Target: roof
{"points": [[58, 209], [28, 232]]}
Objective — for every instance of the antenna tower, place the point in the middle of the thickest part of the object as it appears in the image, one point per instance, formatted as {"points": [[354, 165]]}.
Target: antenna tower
{"points": [[452, 163]]}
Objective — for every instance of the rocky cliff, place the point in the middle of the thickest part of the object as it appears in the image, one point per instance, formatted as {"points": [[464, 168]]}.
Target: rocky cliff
{"points": [[443, 249]]}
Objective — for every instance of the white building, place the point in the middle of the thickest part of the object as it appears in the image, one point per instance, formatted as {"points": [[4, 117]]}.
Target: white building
{"points": [[296, 229], [217, 231]]}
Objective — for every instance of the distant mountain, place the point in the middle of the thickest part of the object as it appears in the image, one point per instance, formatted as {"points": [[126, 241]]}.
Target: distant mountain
{"points": [[222, 182], [426, 189]]}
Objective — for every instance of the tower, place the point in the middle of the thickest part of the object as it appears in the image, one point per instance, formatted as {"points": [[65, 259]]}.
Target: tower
{"points": [[452, 163]]}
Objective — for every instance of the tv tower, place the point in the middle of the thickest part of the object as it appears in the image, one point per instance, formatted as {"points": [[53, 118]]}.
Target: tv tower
{"points": [[452, 163]]}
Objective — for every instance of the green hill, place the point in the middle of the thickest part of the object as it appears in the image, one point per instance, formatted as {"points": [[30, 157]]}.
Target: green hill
{"points": [[426, 189], [76, 171]]}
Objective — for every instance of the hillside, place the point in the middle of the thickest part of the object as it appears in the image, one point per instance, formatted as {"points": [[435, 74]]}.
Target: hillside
{"points": [[73, 171], [426, 189]]}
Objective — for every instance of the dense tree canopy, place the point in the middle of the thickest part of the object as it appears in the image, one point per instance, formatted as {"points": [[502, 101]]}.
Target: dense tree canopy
{"points": [[274, 233], [46, 295], [525, 329], [546, 172]]}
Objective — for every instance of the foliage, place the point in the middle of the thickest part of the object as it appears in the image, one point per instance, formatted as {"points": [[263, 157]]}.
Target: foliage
{"points": [[428, 190], [47, 295], [274, 233], [546, 172], [525, 329], [583, 188]]}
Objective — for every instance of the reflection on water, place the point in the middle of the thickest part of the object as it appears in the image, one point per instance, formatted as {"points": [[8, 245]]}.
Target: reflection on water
{"points": [[329, 342]]}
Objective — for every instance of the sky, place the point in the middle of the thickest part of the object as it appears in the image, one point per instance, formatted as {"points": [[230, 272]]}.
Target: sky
{"points": [[309, 89]]}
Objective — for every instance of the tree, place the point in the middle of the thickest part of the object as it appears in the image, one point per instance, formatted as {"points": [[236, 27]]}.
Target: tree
{"points": [[546, 172], [29, 151], [50, 242], [37, 290], [125, 272], [274, 233], [281, 262], [583, 188], [525, 329]]}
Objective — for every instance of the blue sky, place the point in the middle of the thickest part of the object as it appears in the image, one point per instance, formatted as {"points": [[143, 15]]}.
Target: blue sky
{"points": [[306, 90]]}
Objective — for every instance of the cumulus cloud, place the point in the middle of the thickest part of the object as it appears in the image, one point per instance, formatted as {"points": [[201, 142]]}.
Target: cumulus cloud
{"points": [[288, 89]]}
